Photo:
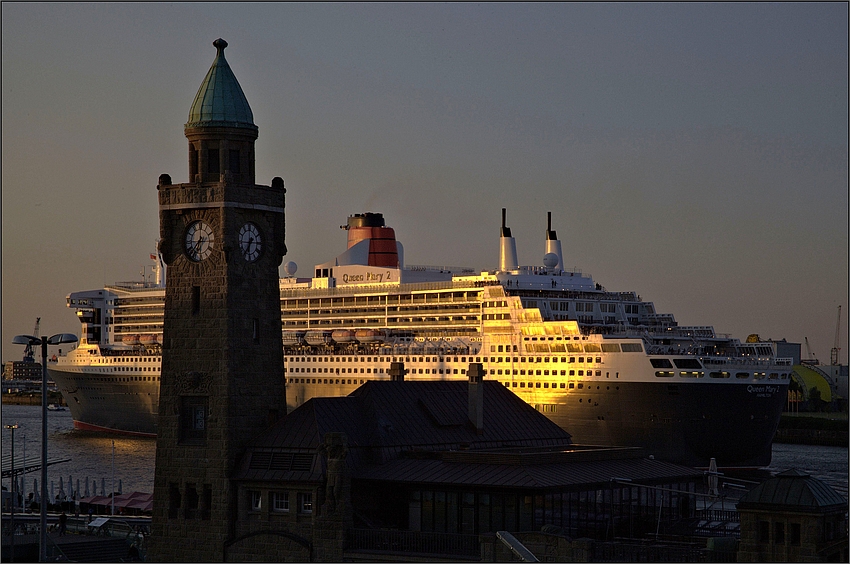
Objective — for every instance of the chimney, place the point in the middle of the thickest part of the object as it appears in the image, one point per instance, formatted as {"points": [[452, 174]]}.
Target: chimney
{"points": [[553, 245], [507, 247], [397, 372], [476, 396]]}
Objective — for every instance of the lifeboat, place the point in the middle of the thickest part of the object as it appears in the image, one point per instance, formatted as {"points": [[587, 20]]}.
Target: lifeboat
{"points": [[148, 339], [292, 338], [131, 339], [317, 337], [342, 336], [370, 336]]}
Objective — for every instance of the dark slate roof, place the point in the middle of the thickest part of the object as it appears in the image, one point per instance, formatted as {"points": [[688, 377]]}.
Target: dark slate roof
{"points": [[220, 101], [382, 419], [419, 433], [792, 489]]}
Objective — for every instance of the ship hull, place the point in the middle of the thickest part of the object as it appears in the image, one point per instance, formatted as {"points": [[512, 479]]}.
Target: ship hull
{"points": [[109, 403], [686, 423], [682, 423]]}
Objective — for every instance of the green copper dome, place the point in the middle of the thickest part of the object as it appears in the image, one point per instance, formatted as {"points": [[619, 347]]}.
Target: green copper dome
{"points": [[220, 101]]}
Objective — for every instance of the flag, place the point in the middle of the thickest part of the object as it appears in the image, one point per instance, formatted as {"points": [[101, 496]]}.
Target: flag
{"points": [[153, 257]]}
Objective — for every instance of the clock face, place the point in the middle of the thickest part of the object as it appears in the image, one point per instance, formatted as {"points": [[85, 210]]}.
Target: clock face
{"points": [[199, 241], [250, 242]]}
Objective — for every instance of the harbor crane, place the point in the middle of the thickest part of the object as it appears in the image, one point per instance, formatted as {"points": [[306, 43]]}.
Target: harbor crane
{"points": [[834, 354], [28, 351], [810, 356]]}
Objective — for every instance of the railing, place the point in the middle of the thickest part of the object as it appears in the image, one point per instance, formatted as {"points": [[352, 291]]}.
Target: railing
{"points": [[637, 552], [719, 515], [382, 540]]}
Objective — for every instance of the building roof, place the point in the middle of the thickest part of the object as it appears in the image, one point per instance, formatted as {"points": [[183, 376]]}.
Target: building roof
{"points": [[571, 471], [792, 489], [420, 432], [220, 101]]}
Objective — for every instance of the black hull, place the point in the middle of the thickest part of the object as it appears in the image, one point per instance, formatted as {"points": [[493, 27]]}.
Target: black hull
{"points": [[683, 423], [686, 423]]}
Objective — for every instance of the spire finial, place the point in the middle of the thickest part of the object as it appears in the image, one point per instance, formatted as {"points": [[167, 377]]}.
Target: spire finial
{"points": [[220, 44]]}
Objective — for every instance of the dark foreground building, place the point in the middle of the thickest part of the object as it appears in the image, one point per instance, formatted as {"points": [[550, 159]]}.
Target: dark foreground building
{"points": [[793, 517], [407, 470]]}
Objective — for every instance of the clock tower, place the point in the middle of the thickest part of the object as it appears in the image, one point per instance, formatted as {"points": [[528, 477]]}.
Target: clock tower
{"points": [[222, 237]]}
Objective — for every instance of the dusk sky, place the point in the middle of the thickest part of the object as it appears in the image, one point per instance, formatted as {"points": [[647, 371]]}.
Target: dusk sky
{"points": [[694, 153]]}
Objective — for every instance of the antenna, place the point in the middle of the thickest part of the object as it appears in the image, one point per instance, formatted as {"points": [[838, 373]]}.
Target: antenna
{"points": [[835, 353]]}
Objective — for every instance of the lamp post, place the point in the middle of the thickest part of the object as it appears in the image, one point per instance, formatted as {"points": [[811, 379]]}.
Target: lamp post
{"points": [[57, 339], [14, 484]]}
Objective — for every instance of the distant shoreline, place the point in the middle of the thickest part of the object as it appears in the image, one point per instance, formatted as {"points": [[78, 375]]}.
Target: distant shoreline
{"points": [[828, 429], [33, 399]]}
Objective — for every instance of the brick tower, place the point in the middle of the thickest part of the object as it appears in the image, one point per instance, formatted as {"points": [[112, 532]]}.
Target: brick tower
{"points": [[222, 237]]}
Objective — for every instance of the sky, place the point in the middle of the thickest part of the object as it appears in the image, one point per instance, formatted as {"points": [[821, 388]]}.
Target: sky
{"points": [[694, 153]]}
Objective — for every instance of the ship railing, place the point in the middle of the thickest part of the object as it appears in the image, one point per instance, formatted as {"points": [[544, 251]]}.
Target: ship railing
{"points": [[462, 270], [384, 288]]}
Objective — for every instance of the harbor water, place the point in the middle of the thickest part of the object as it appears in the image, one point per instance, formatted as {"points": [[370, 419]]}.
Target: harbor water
{"points": [[91, 455]]}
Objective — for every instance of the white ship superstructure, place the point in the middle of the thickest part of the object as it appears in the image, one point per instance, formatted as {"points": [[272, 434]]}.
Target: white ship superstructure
{"points": [[604, 365]]}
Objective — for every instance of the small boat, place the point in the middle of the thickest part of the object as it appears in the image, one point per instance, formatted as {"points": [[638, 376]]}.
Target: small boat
{"points": [[370, 335], [342, 336], [54, 407], [149, 339], [292, 338], [317, 337], [132, 339]]}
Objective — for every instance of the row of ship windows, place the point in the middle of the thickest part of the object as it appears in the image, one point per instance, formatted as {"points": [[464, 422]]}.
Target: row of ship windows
{"points": [[120, 359], [738, 375], [129, 379], [493, 371], [372, 300], [530, 385], [463, 359]]}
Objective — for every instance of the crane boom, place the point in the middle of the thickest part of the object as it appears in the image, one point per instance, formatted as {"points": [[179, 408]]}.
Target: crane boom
{"points": [[28, 351], [810, 356]]}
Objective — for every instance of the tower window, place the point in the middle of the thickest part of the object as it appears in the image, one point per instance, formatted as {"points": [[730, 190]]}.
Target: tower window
{"points": [[207, 502], [256, 330], [234, 161], [213, 163], [196, 300], [192, 499], [173, 499], [193, 163], [193, 420]]}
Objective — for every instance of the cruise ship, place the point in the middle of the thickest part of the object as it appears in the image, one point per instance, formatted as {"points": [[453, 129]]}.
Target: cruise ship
{"points": [[602, 364]]}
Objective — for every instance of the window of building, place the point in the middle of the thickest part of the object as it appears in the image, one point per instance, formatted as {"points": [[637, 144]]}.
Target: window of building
{"points": [[779, 533], [213, 165], [193, 420], [305, 502], [764, 531], [234, 166], [206, 506], [794, 533], [192, 499], [173, 499], [256, 499], [280, 502]]}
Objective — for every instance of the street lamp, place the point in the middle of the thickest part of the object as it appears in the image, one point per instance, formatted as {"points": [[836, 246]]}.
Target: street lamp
{"points": [[14, 484], [30, 340]]}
